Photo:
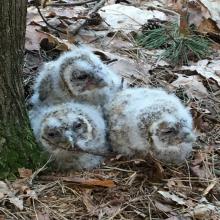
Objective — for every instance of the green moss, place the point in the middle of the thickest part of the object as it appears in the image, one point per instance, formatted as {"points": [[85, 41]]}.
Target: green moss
{"points": [[18, 149]]}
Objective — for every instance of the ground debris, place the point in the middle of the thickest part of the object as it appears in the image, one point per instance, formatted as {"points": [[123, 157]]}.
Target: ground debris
{"points": [[125, 188]]}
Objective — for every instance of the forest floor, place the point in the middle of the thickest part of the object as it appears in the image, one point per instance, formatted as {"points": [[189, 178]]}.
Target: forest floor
{"points": [[125, 188]]}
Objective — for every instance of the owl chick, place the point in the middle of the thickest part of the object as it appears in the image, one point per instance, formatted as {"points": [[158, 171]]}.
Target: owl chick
{"points": [[74, 134], [76, 75], [143, 119]]}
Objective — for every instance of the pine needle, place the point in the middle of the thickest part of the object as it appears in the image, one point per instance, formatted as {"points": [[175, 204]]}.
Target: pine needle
{"points": [[179, 48]]}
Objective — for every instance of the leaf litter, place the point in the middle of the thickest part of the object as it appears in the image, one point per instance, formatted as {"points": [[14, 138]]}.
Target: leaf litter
{"points": [[125, 188]]}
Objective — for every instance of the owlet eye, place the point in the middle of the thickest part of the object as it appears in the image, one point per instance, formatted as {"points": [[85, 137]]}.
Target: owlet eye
{"points": [[169, 131], [53, 134], [77, 125], [82, 77]]}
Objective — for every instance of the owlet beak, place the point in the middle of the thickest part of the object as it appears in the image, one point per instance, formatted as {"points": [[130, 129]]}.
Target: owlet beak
{"points": [[190, 138], [70, 139]]}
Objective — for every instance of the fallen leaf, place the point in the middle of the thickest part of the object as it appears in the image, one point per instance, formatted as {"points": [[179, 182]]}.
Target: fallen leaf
{"points": [[208, 26], [33, 37], [209, 187], [2, 217], [197, 13], [41, 216], [2, 195], [3, 187], [128, 18], [93, 182], [200, 157], [157, 171], [60, 44], [24, 172], [130, 70], [64, 12], [173, 197], [87, 200], [214, 10], [178, 218], [82, 181], [201, 171], [33, 16], [17, 202], [109, 211], [163, 207], [192, 85], [207, 69], [205, 211]]}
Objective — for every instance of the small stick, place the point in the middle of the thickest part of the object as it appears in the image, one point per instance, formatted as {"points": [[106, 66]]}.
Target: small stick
{"points": [[30, 181], [81, 181], [76, 29], [69, 4], [45, 21], [167, 11]]}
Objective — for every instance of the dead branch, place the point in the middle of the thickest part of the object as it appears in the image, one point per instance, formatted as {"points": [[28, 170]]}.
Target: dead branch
{"points": [[46, 22], [81, 181], [69, 4], [76, 28]]}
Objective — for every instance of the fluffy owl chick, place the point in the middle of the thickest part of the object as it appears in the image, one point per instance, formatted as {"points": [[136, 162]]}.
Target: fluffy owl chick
{"points": [[74, 134], [143, 119], [79, 75]]}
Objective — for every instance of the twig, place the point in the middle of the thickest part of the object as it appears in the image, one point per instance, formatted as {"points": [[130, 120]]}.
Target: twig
{"points": [[69, 4], [38, 171], [45, 21], [187, 164], [166, 11], [81, 181], [76, 29]]}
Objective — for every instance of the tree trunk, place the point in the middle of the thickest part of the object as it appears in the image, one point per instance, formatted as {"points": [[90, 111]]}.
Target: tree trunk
{"points": [[17, 145]]}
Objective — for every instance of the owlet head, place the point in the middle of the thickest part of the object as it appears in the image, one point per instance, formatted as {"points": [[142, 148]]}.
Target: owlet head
{"points": [[81, 76], [172, 138], [66, 131]]}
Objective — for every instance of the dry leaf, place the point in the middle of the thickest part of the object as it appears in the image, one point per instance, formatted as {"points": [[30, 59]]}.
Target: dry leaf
{"points": [[2, 195], [205, 211], [128, 18], [109, 211], [201, 171], [209, 187], [64, 12], [33, 37], [17, 202], [192, 85], [163, 207], [178, 218], [82, 181], [200, 156], [41, 216], [60, 44], [207, 69], [202, 14], [3, 187], [173, 197], [24, 172], [130, 70], [157, 171], [2, 217], [87, 200], [214, 9], [33, 16], [94, 182], [197, 13], [208, 26]]}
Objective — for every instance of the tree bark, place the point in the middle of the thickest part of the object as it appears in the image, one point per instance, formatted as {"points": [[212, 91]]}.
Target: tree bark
{"points": [[17, 145]]}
